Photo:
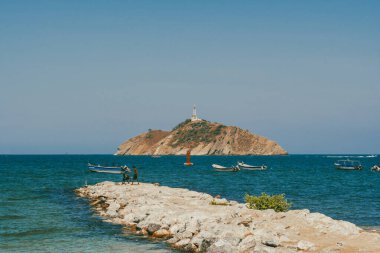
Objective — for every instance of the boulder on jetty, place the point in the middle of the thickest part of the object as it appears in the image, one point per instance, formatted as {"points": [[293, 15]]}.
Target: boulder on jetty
{"points": [[191, 221]]}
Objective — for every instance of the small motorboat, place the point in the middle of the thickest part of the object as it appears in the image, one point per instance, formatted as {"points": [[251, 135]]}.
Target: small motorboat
{"points": [[222, 168], [348, 165], [376, 168], [108, 169], [244, 166]]}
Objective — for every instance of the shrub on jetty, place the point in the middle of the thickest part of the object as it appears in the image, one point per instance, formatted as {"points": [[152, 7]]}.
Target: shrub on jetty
{"points": [[265, 201]]}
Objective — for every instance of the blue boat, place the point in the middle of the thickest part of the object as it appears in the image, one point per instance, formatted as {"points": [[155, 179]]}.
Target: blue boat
{"points": [[348, 165]]}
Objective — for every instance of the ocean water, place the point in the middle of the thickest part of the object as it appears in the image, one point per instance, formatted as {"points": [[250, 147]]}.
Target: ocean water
{"points": [[39, 211]]}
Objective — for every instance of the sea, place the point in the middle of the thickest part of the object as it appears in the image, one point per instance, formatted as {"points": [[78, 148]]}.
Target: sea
{"points": [[39, 211]]}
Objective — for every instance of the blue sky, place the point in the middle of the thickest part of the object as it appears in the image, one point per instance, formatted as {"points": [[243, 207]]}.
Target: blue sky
{"points": [[83, 76]]}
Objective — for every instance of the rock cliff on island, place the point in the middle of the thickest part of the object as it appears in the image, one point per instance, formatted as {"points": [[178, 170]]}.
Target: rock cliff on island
{"points": [[203, 138], [197, 222]]}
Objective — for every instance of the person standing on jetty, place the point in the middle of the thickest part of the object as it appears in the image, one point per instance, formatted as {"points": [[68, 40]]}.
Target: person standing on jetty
{"points": [[126, 177], [135, 175]]}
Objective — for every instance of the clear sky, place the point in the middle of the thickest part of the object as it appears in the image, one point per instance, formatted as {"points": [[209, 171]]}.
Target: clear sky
{"points": [[83, 76]]}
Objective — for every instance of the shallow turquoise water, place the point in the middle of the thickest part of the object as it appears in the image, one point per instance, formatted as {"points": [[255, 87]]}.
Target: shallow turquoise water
{"points": [[40, 213]]}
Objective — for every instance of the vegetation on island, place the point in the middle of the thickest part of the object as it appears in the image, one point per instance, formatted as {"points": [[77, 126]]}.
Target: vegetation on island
{"points": [[149, 134], [276, 202], [189, 133], [202, 137], [180, 125]]}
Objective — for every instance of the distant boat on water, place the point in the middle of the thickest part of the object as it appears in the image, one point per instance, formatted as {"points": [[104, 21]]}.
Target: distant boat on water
{"points": [[376, 168], [218, 167], [188, 163], [245, 166], [108, 169], [348, 165], [351, 156]]}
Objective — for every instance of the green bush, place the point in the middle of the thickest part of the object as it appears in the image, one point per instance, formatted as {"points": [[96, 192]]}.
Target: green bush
{"points": [[181, 124], [265, 201], [218, 130], [193, 133]]}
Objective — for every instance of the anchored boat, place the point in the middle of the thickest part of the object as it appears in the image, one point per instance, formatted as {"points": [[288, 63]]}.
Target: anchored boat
{"points": [[108, 169], [376, 168], [348, 165], [245, 166], [227, 169]]}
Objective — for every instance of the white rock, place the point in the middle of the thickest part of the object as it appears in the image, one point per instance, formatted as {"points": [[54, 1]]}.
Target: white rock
{"points": [[220, 246], [113, 206], [172, 240], [112, 209], [192, 226], [271, 242], [344, 228], [264, 249], [247, 244], [182, 243], [153, 227], [177, 228], [161, 233], [304, 245], [184, 235]]}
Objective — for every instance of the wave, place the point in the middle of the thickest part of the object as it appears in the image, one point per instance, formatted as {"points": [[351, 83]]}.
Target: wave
{"points": [[11, 217], [351, 156], [30, 232]]}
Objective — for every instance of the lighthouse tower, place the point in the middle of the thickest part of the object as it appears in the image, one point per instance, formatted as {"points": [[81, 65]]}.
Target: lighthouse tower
{"points": [[194, 116]]}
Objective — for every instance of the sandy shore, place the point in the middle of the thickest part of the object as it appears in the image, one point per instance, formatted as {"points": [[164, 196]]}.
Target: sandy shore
{"points": [[187, 220]]}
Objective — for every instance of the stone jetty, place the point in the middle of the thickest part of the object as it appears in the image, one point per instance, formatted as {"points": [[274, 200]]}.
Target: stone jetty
{"points": [[198, 222]]}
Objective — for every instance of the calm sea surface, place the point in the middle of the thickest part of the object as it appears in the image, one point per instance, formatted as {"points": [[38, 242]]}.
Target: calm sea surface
{"points": [[40, 213]]}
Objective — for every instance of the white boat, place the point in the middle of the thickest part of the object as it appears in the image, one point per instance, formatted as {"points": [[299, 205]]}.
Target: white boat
{"points": [[348, 165], [222, 168], [245, 166], [108, 169], [376, 168]]}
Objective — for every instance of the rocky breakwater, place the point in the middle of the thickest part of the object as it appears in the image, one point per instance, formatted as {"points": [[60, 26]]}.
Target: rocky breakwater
{"points": [[197, 222]]}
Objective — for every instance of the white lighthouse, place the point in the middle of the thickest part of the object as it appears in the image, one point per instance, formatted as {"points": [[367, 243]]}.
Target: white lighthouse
{"points": [[194, 116]]}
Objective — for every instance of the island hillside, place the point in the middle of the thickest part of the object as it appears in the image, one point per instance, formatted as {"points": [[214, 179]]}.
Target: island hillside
{"points": [[202, 138]]}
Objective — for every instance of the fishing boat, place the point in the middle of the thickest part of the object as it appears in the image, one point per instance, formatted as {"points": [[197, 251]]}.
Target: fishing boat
{"points": [[348, 165], [376, 168], [227, 169], [188, 163], [245, 166], [108, 169]]}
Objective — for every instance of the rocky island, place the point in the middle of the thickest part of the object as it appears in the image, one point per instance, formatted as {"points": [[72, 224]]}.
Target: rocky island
{"points": [[198, 222], [202, 138]]}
